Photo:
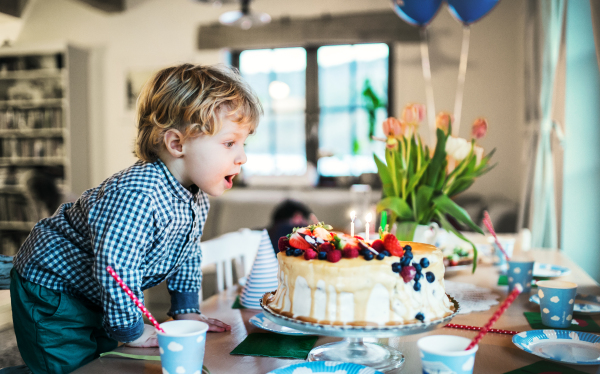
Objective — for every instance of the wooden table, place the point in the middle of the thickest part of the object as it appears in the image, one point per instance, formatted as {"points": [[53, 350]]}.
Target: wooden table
{"points": [[497, 353]]}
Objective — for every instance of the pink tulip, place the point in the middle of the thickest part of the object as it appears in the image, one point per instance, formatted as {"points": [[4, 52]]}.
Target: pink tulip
{"points": [[443, 121], [479, 128], [393, 127], [413, 113]]}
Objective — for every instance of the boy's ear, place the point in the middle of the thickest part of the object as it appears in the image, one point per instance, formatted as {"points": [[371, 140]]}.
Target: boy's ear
{"points": [[174, 143]]}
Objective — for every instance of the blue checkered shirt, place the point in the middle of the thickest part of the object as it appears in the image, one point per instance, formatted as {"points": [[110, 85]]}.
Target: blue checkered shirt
{"points": [[143, 223]]}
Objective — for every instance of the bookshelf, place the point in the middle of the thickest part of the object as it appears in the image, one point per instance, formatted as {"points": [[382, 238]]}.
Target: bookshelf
{"points": [[44, 119]]}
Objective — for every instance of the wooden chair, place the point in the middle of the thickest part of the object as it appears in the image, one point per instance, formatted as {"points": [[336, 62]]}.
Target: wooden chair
{"points": [[226, 250]]}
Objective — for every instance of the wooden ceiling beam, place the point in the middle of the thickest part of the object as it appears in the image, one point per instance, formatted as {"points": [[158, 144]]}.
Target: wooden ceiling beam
{"points": [[372, 27], [13, 7], [108, 6]]}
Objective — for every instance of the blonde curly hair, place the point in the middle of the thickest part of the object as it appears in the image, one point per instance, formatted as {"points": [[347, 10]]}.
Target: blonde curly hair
{"points": [[191, 98]]}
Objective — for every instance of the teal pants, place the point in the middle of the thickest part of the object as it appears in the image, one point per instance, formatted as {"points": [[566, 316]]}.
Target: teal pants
{"points": [[56, 333]]}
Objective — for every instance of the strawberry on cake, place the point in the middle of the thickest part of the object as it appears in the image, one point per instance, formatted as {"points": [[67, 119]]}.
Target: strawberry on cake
{"points": [[333, 278]]}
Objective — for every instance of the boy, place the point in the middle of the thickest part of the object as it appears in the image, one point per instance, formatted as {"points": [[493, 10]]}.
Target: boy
{"points": [[145, 222]]}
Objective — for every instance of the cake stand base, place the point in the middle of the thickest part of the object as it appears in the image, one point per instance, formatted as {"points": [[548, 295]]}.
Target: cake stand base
{"points": [[377, 356]]}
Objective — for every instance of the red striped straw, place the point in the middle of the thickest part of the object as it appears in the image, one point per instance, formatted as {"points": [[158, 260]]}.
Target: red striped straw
{"points": [[488, 223], [484, 330], [137, 302], [477, 328]]}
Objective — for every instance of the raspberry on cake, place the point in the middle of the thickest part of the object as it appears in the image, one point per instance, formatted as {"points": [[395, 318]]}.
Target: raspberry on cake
{"points": [[345, 281]]}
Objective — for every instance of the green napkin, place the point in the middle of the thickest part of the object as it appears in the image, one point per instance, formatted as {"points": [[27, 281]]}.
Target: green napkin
{"points": [[143, 357], [503, 281], [237, 304], [579, 323], [541, 367], [276, 345]]}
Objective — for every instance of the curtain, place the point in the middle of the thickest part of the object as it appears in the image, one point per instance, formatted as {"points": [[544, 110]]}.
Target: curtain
{"points": [[595, 6], [544, 222]]}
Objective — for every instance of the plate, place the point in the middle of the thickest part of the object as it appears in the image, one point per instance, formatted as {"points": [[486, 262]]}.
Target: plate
{"points": [[350, 331], [549, 270], [457, 268], [571, 347], [325, 367], [262, 322], [584, 304]]}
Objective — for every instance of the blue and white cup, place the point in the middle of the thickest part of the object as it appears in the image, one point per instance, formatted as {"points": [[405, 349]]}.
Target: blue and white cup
{"points": [[499, 259], [557, 299], [446, 354], [181, 346], [520, 272]]}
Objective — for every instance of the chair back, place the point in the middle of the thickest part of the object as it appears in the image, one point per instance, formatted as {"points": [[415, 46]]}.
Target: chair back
{"points": [[240, 245], [6, 264]]}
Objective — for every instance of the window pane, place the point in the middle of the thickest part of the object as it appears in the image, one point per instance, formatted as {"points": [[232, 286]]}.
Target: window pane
{"points": [[279, 78], [353, 89]]}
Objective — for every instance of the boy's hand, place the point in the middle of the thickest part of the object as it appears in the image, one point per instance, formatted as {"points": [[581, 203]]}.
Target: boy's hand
{"points": [[213, 324], [148, 338]]}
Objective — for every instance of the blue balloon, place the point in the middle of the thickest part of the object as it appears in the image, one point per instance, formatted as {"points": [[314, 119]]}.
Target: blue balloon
{"points": [[469, 11], [417, 12]]}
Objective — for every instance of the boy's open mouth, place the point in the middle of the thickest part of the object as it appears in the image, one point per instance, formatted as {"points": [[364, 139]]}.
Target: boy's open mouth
{"points": [[229, 178]]}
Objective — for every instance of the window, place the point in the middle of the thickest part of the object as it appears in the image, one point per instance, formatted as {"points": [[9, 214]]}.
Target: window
{"points": [[321, 105]]}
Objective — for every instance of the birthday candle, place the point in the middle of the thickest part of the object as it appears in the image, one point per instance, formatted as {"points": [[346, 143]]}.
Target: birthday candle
{"points": [[352, 217]]}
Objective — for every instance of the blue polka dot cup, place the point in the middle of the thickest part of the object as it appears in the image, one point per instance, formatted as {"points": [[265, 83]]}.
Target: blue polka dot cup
{"points": [[181, 346], [446, 354], [520, 272], [557, 299]]}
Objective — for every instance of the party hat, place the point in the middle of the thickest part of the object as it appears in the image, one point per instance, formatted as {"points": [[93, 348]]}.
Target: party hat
{"points": [[263, 276]]}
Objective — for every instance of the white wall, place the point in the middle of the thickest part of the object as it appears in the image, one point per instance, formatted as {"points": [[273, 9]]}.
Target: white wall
{"points": [[155, 33]]}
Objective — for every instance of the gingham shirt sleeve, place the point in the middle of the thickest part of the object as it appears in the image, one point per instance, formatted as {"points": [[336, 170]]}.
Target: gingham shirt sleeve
{"points": [[184, 285], [121, 226]]}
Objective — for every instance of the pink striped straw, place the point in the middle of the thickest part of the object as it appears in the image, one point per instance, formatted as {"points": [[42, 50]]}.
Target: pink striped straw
{"points": [[137, 302], [484, 330], [488, 223]]}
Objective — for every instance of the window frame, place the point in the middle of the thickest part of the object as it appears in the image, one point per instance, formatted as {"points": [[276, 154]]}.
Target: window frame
{"points": [[313, 110]]}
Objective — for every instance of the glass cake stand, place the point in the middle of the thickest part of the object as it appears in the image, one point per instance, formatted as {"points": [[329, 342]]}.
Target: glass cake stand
{"points": [[353, 348]]}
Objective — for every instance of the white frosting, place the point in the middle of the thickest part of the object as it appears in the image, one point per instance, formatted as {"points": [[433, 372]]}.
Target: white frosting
{"points": [[332, 303], [378, 306], [320, 301], [356, 290], [346, 307], [301, 292]]}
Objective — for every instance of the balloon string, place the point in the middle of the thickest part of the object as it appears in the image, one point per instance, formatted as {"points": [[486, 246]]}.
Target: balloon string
{"points": [[462, 72], [428, 85]]}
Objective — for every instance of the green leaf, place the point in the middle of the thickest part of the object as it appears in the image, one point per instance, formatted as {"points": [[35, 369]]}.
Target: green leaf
{"points": [[382, 169], [397, 206], [412, 183], [439, 157], [388, 189], [445, 205], [448, 226], [424, 195], [460, 185]]}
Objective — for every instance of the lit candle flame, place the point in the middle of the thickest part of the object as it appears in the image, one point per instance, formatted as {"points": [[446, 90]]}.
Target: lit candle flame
{"points": [[352, 215], [368, 217]]}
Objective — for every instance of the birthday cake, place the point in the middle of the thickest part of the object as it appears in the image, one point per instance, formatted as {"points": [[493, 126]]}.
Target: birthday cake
{"points": [[337, 279]]}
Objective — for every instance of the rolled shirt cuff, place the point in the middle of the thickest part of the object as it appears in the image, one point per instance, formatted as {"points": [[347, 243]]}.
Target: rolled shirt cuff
{"points": [[129, 333], [184, 302]]}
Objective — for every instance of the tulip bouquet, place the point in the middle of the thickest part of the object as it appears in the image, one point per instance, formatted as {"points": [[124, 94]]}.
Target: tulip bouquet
{"points": [[419, 182]]}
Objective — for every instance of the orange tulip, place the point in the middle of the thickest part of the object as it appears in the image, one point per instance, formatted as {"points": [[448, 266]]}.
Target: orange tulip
{"points": [[393, 127], [443, 121], [479, 128], [413, 113]]}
